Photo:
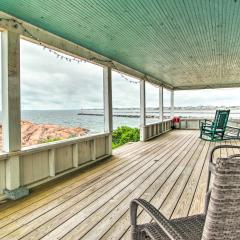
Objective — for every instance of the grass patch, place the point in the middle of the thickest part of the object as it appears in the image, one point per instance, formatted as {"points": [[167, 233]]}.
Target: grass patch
{"points": [[120, 136], [124, 135], [54, 139], [48, 140]]}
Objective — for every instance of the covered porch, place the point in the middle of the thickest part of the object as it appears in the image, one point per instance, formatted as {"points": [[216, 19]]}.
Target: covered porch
{"points": [[80, 188], [169, 171]]}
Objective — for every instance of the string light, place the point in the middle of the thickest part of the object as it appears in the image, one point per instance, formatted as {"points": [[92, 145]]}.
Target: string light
{"points": [[115, 67], [61, 56]]}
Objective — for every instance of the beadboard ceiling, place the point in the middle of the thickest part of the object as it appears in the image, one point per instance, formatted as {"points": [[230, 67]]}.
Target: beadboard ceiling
{"points": [[186, 43]]}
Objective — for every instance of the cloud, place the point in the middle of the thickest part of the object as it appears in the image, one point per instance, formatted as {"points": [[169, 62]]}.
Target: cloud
{"points": [[48, 82], [208, 97]]}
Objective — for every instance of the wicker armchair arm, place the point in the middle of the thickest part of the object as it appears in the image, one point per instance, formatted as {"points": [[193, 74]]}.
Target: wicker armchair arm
{"points": [[219, 147], [156, 215]]}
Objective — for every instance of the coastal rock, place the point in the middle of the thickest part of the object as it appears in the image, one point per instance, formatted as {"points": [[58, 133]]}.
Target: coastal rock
{"points": [[41, 133]]}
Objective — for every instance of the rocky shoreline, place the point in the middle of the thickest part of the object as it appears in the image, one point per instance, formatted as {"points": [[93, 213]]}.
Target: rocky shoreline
{"points": [[33, 133]]}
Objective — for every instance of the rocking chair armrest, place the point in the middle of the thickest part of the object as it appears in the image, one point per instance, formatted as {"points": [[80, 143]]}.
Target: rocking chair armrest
{"points": [[234, 128], [237, 128], [232, 132], [205, 126], [156, 215], [206, 122]]}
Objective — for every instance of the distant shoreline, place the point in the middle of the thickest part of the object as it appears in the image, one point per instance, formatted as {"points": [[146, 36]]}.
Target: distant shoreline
{"points": [[186, 109], [116, 115]]}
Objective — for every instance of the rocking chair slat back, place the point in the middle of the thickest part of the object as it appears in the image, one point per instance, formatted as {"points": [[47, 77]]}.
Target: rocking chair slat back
{"points": [[221, 119]]}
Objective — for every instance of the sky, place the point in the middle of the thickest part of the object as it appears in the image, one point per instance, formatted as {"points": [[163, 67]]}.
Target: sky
{"points": [[48, 82]]}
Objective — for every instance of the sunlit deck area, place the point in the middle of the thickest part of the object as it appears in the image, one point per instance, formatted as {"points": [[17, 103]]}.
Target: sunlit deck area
{"points": [[170, 171]]}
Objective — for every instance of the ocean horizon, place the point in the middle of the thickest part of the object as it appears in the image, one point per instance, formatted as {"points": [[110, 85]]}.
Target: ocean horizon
{"points": [[70, 118]]}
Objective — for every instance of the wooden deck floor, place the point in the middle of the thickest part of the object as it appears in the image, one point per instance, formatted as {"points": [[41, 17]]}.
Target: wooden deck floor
{"points": [[169, 171]]}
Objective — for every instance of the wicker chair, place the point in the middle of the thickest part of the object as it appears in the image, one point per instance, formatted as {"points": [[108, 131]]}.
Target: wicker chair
{"points": [[222, 212]]}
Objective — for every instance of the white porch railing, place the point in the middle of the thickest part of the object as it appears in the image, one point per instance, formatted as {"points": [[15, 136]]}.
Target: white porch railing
{"points": [[42, 163], [194, 123], [155, 129], [189, 123]]}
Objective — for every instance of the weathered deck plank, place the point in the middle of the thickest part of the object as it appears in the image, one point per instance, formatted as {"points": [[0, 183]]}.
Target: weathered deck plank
{"points": [[169, 171]]}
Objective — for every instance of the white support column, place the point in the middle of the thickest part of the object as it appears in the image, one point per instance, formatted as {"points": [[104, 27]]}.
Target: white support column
{"points": [[142, 110], [11, 105], [11, 91], [161, 104], [172, 104], [11, 110], [107, 95]]}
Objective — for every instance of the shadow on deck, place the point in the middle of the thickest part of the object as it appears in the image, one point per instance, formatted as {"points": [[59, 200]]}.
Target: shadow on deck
{"points": [[169, 171]]}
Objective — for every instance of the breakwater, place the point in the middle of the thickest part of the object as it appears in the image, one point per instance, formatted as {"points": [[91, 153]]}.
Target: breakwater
{"points": [[118, 115]]}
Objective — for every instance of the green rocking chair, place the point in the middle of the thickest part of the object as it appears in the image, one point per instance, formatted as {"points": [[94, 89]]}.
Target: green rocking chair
{"points": [[215, 130]]}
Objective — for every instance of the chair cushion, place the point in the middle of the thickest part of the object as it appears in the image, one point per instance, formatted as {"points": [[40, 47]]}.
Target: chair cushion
{"points": [[150, 231], [190, 228]]}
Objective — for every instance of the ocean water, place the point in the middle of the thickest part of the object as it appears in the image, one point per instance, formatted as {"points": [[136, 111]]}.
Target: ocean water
{"points": [[95, 124], [71, 118]]}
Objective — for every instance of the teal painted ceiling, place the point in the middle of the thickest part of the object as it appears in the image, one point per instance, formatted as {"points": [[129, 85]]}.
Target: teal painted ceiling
{"points": [[186, 43]]}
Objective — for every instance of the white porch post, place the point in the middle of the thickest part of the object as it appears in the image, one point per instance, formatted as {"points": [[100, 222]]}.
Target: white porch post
{"points": [[11, 91], [11, 105], [142, 110], [107, 95], [172, 104], [161, 104]]}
